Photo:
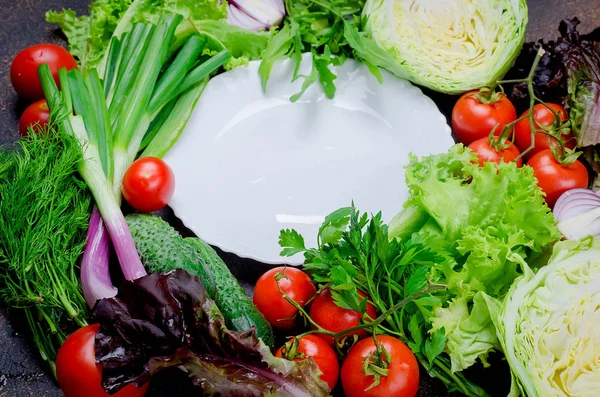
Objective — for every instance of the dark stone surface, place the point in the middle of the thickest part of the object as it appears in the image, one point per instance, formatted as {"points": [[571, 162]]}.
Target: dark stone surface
{"points": [[22, 24]]}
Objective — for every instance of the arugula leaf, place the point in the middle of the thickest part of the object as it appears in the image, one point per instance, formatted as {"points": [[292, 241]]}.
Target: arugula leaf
{"points": [[279, 48], [319, 28]]}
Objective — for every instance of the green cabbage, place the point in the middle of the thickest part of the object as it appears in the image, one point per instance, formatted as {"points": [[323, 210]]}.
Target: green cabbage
{"points": [[448, 45], [549, 324]]}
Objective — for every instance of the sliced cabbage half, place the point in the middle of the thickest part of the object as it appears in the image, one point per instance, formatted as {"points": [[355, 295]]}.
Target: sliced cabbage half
{"points": [[448, 45], [549, 324]]}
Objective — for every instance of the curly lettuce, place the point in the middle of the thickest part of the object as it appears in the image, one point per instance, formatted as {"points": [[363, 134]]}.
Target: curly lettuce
{"points": [[89, 35], [487, 222]]}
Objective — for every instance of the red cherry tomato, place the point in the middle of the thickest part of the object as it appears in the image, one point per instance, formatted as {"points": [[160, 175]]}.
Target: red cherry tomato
{"points": [[473, 120], [485, 152], [554, 178], [320, 351], [148, 184], [76, 369], [331, 317], [23, 71], [542, 117], [401, 381], [35, 116], [268, 299]]}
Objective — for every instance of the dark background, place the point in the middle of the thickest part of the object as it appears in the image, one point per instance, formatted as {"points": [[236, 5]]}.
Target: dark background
{"points": [[22, 24]]}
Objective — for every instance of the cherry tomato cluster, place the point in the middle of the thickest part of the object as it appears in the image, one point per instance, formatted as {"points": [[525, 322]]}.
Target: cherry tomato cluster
{"points": [[357, 379], [480, 117]]}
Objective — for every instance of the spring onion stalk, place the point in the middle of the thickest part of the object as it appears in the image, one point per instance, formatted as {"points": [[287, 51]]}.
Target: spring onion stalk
{"points": [[93, 173], [164, 133], [150, 87]]}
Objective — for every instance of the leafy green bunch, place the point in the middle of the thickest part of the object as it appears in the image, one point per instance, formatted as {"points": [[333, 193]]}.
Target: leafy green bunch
{"points": [[354, 252], [466, 227], [331, 31], [44, 212]]}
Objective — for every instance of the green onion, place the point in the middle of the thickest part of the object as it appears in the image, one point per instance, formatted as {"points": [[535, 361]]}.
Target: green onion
{"points": [[91, 168], [160, 139], [149, 90]]}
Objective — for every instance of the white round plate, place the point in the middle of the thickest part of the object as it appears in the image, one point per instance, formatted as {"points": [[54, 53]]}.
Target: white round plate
{"points": [[249, 163]]}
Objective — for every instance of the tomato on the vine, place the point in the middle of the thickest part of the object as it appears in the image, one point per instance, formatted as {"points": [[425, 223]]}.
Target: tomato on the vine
{"points": [[403, 370], [331, 317], [23, 71], [313, 346], [35, 116], [76, 369], [474, 116], [486, 152], [542, 116], [555, 178], [148, 184], [270, 301]]}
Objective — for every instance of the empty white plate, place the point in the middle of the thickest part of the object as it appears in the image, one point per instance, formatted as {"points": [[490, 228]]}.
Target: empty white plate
{"points": [[250, 164]]}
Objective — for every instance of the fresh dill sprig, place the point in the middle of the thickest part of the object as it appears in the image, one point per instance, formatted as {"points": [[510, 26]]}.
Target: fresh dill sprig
{"points": [[44, 212]]}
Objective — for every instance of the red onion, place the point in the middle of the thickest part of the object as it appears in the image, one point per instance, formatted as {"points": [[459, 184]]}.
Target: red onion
{"points": [[95, 274], [255, 15], [577, 212]]}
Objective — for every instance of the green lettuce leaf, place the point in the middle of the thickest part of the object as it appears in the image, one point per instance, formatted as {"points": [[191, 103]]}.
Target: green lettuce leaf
{"points": [[489, 221], [471, 333], [89, 35]]}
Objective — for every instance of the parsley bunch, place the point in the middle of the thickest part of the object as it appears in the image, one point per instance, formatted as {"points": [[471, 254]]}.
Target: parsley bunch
{"points": [[353, 253]]}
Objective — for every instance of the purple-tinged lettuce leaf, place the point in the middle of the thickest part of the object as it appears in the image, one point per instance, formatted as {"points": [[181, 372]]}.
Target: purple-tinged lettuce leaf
{"points": [[167, 320], [568, 74], [581, 64]]}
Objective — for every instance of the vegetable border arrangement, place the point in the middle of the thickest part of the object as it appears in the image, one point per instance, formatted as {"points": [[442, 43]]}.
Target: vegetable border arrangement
{"points": [[493, 260]]}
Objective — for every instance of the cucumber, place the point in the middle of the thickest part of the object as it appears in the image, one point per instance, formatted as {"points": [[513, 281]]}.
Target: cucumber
{"points": [[230, 296], [162, 249]]}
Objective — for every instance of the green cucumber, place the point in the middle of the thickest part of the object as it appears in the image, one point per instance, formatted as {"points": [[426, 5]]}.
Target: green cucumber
{"points": [[231, 298], [162, 249]]}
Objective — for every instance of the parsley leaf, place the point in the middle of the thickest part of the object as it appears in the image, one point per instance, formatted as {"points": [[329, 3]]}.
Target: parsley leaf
{"points": [[434, 346], [291, 242], [334, 225]]}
